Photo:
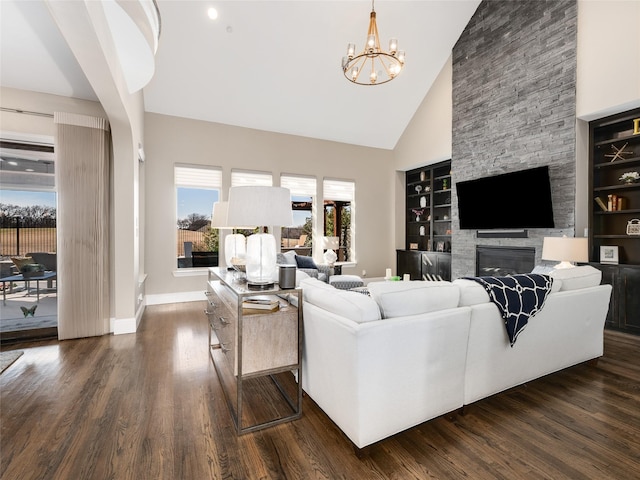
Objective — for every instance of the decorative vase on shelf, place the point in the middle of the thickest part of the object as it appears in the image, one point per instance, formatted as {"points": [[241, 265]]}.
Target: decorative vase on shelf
{"points": [[423, 202], [422, 230], [423, 176], [417, 218], [629, 177]]}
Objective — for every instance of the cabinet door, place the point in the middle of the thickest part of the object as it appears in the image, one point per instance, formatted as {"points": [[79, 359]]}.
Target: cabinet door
{"points": [[408, 261], [609, 277], [436, 265], [444, 267], [629, 297]]}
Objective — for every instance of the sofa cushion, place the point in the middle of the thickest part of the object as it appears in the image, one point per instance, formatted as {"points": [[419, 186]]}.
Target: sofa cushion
{"points": [[471, 293], [354, 306], [397, 299], [305, 262], [577, 277], [300, 276]]}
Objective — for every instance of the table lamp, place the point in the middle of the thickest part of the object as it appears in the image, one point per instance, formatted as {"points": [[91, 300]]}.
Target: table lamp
{"points": [[234, 244], [565, 250], [260, 206], [330, 244]]}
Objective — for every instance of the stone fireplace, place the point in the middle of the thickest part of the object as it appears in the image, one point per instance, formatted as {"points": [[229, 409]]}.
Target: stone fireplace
{"points": [[501, 261], [514, 107]]}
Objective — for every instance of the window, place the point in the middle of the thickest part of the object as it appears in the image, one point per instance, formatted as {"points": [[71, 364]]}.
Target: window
{"points": [[339, 199], [197, 189], [300, 235]]}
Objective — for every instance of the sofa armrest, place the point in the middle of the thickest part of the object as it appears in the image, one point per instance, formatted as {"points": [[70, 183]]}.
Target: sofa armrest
{"points": [[327, 270], [312, 272]]}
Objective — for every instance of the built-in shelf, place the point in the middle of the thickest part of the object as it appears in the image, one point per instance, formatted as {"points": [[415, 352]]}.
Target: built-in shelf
{"points": [[614, 150], [427, 248]]}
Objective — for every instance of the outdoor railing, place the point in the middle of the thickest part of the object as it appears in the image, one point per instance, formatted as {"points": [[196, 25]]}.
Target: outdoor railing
{"points": [[20, 235]]}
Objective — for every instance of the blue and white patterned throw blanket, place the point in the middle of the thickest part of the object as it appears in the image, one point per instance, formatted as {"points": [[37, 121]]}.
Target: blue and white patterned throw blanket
{"points": [[518, 297]]}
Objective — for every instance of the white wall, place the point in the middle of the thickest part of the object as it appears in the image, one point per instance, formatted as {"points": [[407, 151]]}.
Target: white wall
{"points": [[41, 103], [171, 140], [88, 34], [608, 57], [608, 77], [426, 140]]}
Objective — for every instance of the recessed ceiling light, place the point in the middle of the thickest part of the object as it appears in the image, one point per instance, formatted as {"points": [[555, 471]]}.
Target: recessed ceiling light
{"points": [[29, 170], [213, 13], [11, 162]]}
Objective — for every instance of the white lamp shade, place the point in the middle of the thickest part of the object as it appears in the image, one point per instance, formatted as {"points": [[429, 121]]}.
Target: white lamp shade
{"points": [[330, 243], [261, 259], [565, 250], [219, 215], [260, 206]]}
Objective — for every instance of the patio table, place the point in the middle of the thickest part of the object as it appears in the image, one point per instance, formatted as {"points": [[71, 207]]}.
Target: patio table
{"points": [[29, 278]]}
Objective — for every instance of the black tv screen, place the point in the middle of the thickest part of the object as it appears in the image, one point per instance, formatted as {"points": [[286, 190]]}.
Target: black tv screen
{"points": [[514, 200]]}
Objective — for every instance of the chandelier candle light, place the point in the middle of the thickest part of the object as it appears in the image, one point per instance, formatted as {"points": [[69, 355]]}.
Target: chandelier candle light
{"points": [[382, 67]]}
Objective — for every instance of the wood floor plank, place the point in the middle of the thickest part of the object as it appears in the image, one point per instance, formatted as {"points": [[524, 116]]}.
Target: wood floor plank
{"points": [[150, 405]]}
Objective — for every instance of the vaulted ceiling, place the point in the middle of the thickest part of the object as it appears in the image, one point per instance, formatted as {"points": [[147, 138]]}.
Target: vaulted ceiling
{"points": [[267, 65]]}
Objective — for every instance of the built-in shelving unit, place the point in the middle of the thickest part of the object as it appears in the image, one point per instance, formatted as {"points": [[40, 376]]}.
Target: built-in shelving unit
{"points": [[428, 222], [615, 150]]}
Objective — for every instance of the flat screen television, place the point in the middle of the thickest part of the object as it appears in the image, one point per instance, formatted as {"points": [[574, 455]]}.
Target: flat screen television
{"points": [[511, 201]]}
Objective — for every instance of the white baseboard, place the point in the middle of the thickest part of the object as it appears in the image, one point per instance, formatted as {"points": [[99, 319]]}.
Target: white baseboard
{"points": [[177, 297], [120, 326]]}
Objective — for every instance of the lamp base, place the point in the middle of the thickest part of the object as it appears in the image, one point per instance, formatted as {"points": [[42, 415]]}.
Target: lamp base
{"points": [[563, 264], [260, 286]]}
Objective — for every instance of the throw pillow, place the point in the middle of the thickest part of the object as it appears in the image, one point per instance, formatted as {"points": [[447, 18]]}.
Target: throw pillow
{"points": [[305, 262], [288, 258]]}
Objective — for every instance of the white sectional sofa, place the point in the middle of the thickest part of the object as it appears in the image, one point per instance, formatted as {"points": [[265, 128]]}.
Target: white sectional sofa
{"points": [[412, 351]]}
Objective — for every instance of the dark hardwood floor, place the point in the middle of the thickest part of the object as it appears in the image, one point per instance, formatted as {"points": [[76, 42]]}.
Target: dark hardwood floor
{"points": [[149, 406]]}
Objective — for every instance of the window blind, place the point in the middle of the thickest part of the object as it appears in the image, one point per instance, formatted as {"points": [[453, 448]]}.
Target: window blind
{"points": [[299, 185], [198, 177], [339, 190], [244, 178]]}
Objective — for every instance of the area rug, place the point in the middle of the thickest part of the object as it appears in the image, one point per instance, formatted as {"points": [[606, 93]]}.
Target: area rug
{"points": [[7, 358]]}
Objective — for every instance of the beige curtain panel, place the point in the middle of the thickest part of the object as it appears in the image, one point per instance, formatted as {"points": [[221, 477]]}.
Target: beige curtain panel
{"points": [[82, 146]]}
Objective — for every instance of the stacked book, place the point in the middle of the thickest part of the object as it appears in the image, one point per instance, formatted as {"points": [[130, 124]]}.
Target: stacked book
{"points": [[260, 305]]}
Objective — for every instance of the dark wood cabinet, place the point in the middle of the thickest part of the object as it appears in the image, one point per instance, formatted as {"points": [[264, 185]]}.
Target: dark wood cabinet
{"points": [[624, 308], [613, 211], [423, 265], [427, 222]]}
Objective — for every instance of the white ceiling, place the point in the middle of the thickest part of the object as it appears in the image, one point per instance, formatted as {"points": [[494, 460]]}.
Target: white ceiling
{"points": [[268, 65]]}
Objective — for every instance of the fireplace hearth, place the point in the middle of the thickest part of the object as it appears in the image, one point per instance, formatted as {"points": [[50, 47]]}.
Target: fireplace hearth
{"points": [[501, 261]]}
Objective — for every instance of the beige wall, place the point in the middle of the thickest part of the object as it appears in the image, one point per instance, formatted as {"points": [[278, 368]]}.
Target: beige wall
{"points": [[171, 140]]}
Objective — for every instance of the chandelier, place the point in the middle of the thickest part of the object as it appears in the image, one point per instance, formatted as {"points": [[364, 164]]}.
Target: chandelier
{"points": [[380, 66]]}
